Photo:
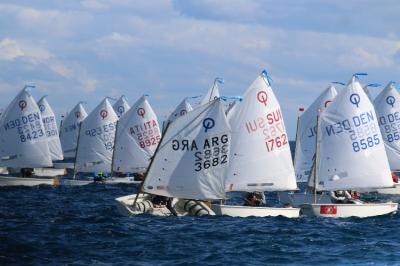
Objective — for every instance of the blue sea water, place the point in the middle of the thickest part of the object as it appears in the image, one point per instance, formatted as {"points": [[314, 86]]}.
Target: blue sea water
{"points": [[81, 226]]}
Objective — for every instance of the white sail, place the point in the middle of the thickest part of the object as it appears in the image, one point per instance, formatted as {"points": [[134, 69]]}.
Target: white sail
{"points": [[260, 154], [183, 108], [51, 129], [69, 130], [387, 107], [121, 106], [192, 156], [22, 135], [96, 139], [306, 134], [213, 92], [351, 153], [138, 135]]}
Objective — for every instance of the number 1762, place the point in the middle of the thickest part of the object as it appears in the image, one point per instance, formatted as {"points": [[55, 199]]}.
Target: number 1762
{"points": [[276, 142]]}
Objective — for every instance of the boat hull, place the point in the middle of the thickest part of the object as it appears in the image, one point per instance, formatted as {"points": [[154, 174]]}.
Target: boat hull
{"points": [[296, 199], [27, 181], [181, 207], [126, 208], [246, 211], [349, 210]]}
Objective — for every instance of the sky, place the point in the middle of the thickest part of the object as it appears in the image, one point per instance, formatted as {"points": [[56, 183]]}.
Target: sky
{"points": [[85, 50]]}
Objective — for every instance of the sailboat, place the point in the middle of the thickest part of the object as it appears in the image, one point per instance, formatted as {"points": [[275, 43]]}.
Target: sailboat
{"points": [[69, 131], [24, 145], [188, 165], [260, 158], [96, 140], [137, 137], [305, 148], [121, 106], [52, 134], [387, 106], [213, 92], [350, 155]]}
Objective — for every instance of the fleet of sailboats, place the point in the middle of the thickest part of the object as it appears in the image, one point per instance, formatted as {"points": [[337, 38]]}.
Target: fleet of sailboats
{"points": [[205, 153]]}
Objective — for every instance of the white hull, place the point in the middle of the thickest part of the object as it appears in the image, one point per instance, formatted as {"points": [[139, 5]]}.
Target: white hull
{"points": [[49, 172], [121, 180], [296, 199], [182, 207], [390, 191], [349, 210], [27, 181], [75, 182], [246, 211], [126, 208]]}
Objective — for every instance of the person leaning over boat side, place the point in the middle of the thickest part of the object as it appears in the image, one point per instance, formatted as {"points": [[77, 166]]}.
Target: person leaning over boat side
{"points": [[340, 196]]}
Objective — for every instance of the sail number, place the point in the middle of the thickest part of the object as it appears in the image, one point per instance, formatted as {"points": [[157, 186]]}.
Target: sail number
{"points": [[365, 143], [390, 126], [212, 157], [208, 153], [276, 142]]}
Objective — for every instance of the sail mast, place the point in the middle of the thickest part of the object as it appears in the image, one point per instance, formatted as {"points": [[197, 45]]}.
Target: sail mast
{"points": [[76, 149], [316, 159], [151, 162], [113, 153]]}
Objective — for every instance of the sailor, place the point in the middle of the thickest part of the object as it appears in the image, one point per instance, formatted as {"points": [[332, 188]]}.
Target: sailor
{"points": [[395, 178], [139, 176], [253, 199], [159, 201], [340, 196], [99, 176]]}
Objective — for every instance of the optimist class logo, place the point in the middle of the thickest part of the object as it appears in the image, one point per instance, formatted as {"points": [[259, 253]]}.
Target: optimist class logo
{"points": [[42, 108], [103, 114], [183, 112], [208, 123], [22, 104], [121, 109], [390, 100], [141, 112], [262, 97], [77, 114], [355, 99]]}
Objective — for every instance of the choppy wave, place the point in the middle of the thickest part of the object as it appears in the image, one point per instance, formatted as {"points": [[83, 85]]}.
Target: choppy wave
{"points": [[80, 226]]}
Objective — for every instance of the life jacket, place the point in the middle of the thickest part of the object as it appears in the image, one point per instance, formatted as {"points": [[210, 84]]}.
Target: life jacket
{"points": [[395, 178]]}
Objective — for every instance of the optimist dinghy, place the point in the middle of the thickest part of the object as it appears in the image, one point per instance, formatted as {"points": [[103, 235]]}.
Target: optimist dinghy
{"points": [[69, 131], [305, 149], [121, 106], [137, 137], [260, 158], [24, 145], [387, 106], [350, 155], [188, 165]]}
